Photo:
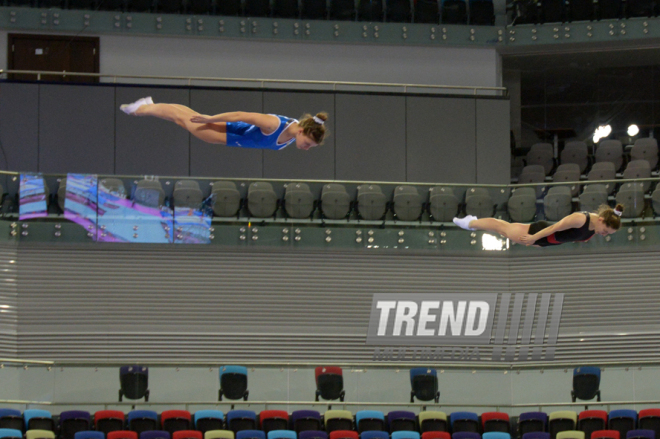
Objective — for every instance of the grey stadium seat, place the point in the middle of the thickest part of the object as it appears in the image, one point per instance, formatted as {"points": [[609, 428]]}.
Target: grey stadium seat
{"points": [[638, 169], [568, 172], [443, 203], [631, 195], [557, 203], [479, 203], [187, 194], [542, 154], [226, 199], [335, 201], [646, 149], [61, 193], [655, 200], [522, 205], [114, 185], [610, 151], [603, 171], [576, 152], [298, 200], [592, 197], [261, 200], [149, 193], [533, 174], [407, 203], [371, 202]]}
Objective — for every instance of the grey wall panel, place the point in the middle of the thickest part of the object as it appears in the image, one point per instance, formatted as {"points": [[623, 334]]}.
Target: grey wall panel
{"points": [[370, 138], [19, 123], [148, 145], [493, 141], [207, 160], [319, 162], [441, 140], [8, 302], [76, 129]]}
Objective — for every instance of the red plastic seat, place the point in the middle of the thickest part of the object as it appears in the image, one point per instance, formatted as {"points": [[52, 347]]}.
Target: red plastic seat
{"points": [[273, 420], [601, 434], [187, 434], [122, 434], [495, 421], [436, 435], [109, 420], [343, 434]]}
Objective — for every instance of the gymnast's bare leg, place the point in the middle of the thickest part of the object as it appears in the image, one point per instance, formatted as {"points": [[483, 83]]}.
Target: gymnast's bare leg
{"points": [[512, 231], [180, 114]]}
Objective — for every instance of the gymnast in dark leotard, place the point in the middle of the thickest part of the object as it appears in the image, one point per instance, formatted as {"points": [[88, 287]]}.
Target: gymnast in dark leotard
{"points": [[238, 128], [576, 227]]}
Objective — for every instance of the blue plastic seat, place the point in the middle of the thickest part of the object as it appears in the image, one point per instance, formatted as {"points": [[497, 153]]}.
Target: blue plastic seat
{"points": [[640, 434], [586, 380], [405, 434], [282, 434], [495, 435], [622, 420], [424, 384], [374, 434], [142, 420], [369, 420], [155, 434], [250, 434], [11, 419], [312, 434], [88, 434], [206, 420], [73, 421], [233, 383], [38, 420], [464, 421], [134, 382], [529, 422], [400, 420], [10, 433]]}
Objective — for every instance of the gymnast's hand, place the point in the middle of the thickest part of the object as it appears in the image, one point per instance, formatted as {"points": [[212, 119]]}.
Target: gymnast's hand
{"points": [[527, 239], [200, 118]]}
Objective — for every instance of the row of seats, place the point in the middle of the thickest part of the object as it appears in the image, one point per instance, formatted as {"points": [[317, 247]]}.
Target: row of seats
{"points": [[235, 421], [400, 11], [576, 152]]}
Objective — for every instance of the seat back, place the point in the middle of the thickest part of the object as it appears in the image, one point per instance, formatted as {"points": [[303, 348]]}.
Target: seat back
{"points": [[122, 434], [338, 421], [405, 434], [570, 434], [541, 154], [312, 434], [522, 204], [400, 420], [241, 420], [532, 422], [603, 171], [176, 420], [261, 200], [72, 422], [443, 203], [36, 419], [39, 434], [407, 203], [155, 434], [557, 203], [586, 380], [631, 196], [343, 434], [134, 381], [649, 419], [187, 194], [274, 420], [591, 420], [281, 434], [218, 434], [298, 200], [646, 149], [610, 151], [10, 433], [371, 202], [250, 434], [561, 421], [495, 422], [149, 193], [329, 383], [576, 152], [209, 420], [638, 169], [478, 202], [569, 172], [640, 434], [140, 421], [622, 420], [226, 199], [306, 420], [605, 434], [467, 422], [187, 434], [335, 201], [11, 419], [233, 382], [593, 196], [369, 420], [433, 421], [424, 383]]}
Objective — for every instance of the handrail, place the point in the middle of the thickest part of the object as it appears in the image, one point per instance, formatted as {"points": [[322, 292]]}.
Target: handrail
{"points": [[358, 182], [263, 82], [344, 404]]}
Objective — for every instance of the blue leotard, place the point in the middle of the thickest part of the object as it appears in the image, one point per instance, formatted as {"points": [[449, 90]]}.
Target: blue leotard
{"points": [[246, 135]]}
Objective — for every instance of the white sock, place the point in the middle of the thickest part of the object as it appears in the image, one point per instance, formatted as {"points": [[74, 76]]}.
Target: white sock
{"points": [[132, 108], [464, 223]]}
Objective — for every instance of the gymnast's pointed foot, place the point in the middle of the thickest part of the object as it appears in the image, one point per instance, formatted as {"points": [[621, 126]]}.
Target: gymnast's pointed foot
{"points": [[464, 223], [132, 108]]}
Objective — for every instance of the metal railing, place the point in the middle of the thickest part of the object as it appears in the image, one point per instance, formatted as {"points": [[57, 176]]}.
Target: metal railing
{"points": [[264, 82]]}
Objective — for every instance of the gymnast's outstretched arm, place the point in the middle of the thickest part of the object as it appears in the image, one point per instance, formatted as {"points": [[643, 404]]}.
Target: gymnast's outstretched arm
{"points": [[264, 121]]}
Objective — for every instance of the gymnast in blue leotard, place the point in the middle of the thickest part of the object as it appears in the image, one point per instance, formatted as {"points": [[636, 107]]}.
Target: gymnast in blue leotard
{"points": [[238, 128]]}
